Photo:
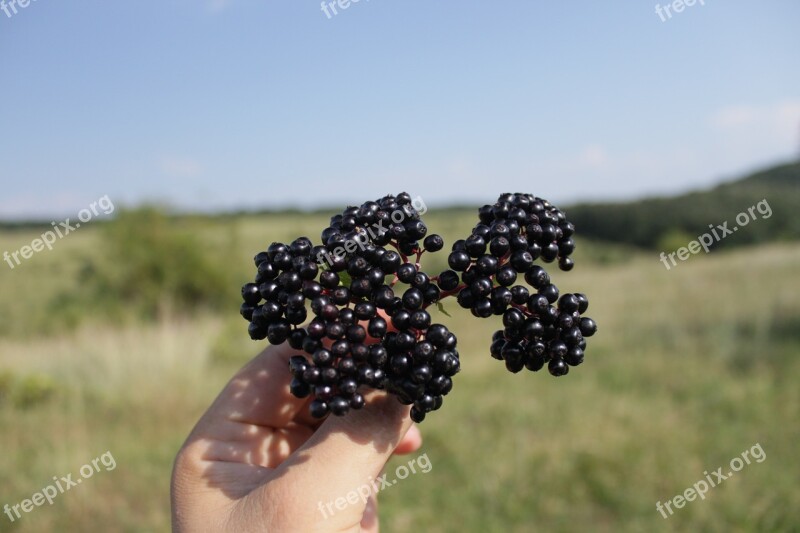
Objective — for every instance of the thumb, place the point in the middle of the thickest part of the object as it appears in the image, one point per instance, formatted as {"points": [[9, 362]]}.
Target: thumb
{"points": [[332, 476]]}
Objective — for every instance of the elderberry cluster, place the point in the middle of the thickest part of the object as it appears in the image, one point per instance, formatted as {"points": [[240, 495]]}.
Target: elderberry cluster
{"points": [[368, 325], [484, 268], [357, 283]]}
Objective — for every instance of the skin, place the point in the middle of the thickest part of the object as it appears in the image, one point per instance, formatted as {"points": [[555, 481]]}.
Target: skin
{"points": [[256, 461]]}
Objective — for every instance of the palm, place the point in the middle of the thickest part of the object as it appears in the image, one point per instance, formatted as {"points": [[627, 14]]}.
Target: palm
{"points": [[256, 432]]}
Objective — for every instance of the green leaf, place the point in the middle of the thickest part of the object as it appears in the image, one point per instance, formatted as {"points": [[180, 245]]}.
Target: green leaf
{"points": [[345, 279], [440, 305]]}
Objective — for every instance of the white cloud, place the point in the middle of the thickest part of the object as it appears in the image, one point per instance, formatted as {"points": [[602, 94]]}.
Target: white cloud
{"points": [[215, 6], [594, 156], [753, 135], [734, 117], [180, 167], [780, 119]]}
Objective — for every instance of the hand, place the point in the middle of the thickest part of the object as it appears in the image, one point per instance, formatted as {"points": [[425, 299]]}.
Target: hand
{"points": [[256, 461]]}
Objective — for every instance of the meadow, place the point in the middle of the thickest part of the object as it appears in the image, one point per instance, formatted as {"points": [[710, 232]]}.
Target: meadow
{"points": [[690, 368]]}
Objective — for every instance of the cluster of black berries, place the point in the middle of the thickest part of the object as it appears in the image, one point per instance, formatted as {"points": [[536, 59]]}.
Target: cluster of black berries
{"points": [[352, 284], [370, 326], [511, 235], [537, 333]]}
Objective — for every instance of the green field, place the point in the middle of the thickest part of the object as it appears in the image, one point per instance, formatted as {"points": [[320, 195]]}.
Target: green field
{"points": [[690, 368]]}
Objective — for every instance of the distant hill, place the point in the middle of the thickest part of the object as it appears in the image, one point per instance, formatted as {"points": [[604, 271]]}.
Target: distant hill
{"points": [[658, 222], [664, 223]]}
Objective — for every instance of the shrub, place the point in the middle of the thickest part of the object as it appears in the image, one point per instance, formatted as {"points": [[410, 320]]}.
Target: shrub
{"points": [[149, 264]]}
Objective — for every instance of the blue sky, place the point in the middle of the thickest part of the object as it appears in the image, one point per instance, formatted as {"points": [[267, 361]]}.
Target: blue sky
{"points": [[220, 104]]}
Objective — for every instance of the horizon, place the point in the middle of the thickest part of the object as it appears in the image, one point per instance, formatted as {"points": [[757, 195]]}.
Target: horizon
{"points": [[332, 208]]}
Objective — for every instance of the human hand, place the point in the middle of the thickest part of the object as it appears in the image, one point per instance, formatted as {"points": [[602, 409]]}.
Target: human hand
{"points": [[257, 461]]}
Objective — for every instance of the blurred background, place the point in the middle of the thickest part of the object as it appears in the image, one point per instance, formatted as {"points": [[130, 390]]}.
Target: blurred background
{"points": [[184, 137]]}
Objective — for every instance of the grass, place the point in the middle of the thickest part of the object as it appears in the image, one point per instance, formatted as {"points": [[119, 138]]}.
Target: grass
{"points": [[690, 368]]}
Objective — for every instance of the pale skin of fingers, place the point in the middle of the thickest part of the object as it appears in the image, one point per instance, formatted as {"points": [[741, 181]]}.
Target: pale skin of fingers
{"points": [[369, 522], [256, 461]]}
